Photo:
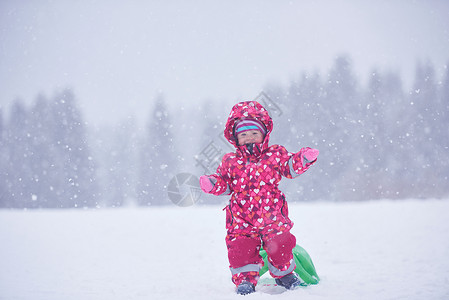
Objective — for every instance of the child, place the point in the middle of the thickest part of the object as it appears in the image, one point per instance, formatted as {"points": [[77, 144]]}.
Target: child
{"points": [[257, 214]]}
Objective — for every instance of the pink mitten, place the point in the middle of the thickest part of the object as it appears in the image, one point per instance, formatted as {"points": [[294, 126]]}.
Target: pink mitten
{"points": [[207, 183], [309, 155]]}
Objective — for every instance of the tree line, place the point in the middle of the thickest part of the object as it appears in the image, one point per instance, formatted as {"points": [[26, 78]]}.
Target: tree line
{"points": [[49, 159], [376, 141]]}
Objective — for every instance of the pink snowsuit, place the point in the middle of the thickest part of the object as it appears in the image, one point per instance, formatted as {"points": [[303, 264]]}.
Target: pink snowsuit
{"points": [[257, 214]]}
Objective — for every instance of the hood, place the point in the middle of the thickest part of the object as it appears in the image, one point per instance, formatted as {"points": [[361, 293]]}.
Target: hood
{"points": [[248, 109]]}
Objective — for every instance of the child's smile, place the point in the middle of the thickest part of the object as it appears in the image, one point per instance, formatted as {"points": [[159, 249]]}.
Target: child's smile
{"points": [[250, 136]]}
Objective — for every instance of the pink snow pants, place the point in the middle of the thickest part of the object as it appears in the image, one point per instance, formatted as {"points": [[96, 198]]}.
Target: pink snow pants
{"points": [[245, 261]]}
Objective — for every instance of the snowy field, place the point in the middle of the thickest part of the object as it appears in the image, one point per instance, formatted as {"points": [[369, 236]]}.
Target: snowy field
{"points": [[371, 250]]}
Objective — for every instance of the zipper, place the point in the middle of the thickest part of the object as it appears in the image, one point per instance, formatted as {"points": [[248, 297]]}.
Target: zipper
{"points": [[230, 213], [282, 207]]}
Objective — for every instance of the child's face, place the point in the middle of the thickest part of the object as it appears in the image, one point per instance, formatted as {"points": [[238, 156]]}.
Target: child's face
{"points": [[250, 136]]}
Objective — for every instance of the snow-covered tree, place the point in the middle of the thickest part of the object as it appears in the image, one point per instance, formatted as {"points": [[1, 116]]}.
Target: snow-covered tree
{"points": [[304, 124], [1, 125], [75, 163], [17, 154], [382, 132], [343, 128], [422, 131], [443, 125], [42, 160], [158, 161], [122, 161], [3, 163], [45, 160]]}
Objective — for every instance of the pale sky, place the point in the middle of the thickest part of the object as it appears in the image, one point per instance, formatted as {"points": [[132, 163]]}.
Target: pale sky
{"points": [[117, 55]]}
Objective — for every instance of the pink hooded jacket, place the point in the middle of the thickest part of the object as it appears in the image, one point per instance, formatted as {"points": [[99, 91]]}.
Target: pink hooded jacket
{"points": [[252, 175]]}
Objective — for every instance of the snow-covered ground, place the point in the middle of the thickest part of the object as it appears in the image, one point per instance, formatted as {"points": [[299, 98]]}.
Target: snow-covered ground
{"points": [[370, 250]]}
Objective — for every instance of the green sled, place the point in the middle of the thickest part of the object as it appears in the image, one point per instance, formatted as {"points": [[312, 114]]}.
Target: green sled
{"points": [[304, 265]]}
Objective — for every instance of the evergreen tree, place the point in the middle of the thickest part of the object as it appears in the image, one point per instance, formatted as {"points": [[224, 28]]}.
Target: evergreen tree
{"points": [[424, 99], [158, 160], [211, 143], [384, 102], [1, 125], [19, 174], [442, 134], [343, 129], [48, 163], [422, 131], [303, 108], [41, 160], [444, 108], [123, 163], [304, 127], [3, 163], [79, 187]]}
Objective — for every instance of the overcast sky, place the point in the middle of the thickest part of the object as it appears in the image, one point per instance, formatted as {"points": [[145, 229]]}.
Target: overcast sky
{"points": [[117, 55]]}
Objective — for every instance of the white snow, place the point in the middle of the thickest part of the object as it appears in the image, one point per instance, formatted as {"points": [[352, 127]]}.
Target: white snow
{"points": [[369, 250]]}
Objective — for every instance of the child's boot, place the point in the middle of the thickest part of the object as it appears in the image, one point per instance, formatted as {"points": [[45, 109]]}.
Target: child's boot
{"points": [[246, 288], [290, 281]]}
